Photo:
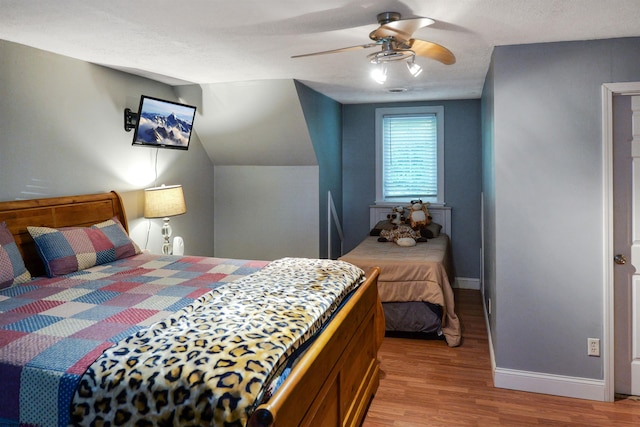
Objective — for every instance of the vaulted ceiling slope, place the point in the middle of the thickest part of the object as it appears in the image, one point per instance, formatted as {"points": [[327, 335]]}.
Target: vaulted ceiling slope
{"points": [[208, 42], [258, 123]]}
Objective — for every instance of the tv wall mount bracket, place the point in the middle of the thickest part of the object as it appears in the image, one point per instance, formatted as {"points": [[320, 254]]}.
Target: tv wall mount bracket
{"points": [[130, 119]]}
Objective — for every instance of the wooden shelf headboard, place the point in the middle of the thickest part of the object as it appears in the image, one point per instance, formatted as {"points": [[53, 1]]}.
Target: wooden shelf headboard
{"points": [[440, 215], [56, 212]]}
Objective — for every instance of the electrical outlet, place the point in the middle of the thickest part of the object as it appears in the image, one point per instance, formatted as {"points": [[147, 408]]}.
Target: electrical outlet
{"points": [[593, 347]]}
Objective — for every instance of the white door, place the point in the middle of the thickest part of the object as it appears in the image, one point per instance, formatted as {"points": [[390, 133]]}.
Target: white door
{"points": [[626, 243]]}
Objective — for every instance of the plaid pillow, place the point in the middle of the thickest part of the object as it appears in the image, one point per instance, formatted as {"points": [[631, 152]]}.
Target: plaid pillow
{"points": [[12, 269], [69, 249]]}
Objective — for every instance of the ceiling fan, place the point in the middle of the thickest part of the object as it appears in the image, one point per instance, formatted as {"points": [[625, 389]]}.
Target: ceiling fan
{"points": [[394, 35]]}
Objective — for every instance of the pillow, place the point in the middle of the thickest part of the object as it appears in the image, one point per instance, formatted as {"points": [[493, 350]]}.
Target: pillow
{"points": [[69, 249], [385, 224], [434, 228], [12, 269]]}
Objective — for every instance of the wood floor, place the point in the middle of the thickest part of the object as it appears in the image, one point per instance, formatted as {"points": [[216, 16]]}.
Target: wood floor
{"points": [[426, 383]]}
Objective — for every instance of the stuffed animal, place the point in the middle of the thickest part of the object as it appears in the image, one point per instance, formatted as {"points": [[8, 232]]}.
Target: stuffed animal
{"points": [[418, 215], [402, 235], [396, 217]]}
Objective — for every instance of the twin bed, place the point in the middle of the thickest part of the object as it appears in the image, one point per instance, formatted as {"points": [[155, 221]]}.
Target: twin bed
{"points": [[414, 282], [130, 338]]}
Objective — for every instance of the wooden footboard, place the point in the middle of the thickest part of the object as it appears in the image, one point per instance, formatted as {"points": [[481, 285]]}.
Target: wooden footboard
{"points": [[334, 381]]}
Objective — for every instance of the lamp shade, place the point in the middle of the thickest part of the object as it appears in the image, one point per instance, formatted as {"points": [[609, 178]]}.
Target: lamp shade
{"points": [[164, 201]]}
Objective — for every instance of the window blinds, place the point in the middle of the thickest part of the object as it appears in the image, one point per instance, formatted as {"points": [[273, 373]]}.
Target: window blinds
{"points": [[410, 156]]}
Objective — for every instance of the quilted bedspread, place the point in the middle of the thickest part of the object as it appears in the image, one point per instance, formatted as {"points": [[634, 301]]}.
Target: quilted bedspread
{"points": [[413, 273], [51, 330], [159, 340], [209, 363]]}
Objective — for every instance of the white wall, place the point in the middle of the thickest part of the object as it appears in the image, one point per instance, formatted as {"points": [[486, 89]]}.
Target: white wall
{"points": [[266, 212], [267, 183], [61, 133]]}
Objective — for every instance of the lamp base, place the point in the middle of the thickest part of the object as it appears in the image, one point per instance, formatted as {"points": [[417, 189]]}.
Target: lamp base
{"points": [[166, 233]]}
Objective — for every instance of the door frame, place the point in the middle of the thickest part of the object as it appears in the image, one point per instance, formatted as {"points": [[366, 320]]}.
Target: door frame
{"points": [[609, 90]]}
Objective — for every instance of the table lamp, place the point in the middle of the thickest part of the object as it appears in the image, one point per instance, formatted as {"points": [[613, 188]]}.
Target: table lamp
{"points": [[164, 202]]}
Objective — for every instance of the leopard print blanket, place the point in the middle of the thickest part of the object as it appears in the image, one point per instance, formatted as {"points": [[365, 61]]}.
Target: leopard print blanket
{"points": [[210, 363]]}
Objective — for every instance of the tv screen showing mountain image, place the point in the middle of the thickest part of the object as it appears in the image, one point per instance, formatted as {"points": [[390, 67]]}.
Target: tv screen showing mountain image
{"points": [[163, 123]]}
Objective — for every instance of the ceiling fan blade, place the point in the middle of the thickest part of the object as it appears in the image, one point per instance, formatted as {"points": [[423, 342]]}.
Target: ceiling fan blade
{"points": [[402, 29], [344, 49], [432, 51]]}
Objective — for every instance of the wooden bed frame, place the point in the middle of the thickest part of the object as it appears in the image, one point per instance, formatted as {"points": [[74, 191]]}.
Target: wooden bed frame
{"points": [[331, 385]]}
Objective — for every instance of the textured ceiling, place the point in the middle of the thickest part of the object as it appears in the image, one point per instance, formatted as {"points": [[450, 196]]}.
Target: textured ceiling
{"points": [[205, 41]]}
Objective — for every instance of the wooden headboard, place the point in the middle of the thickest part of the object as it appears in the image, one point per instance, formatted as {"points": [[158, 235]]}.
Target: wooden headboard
{"points": [[56, 212]]}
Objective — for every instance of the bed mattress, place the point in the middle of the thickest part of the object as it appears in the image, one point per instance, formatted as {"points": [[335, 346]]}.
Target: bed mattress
{"points": [[414, 273]]}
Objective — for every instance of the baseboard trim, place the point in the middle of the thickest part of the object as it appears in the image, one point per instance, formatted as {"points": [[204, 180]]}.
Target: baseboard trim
{"points": [[535, 382], [557, 385], [467, 283], [492, 355]]}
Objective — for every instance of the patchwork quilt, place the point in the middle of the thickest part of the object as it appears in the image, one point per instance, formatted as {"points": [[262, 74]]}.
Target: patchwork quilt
{"points": [[52, 330]]}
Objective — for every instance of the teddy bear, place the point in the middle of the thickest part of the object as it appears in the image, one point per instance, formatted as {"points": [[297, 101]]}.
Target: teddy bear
{"points": [[396, 217], [418, 215]]}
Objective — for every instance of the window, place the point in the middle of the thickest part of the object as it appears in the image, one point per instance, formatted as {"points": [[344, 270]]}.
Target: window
{"points": [[410, 154]]}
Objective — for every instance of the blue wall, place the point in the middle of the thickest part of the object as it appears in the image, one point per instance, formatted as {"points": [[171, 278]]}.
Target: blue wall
{"points": [[322, 115], [462, 159], [544, 220]]}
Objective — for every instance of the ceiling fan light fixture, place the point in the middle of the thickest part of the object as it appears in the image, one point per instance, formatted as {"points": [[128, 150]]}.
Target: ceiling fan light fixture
{"points": [[390, 55], [414, 68], [379, 73], [395, 36]]}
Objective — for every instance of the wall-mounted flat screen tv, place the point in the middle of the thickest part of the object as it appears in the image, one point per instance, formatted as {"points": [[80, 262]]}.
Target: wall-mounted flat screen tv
{"points": [[164, 124]]}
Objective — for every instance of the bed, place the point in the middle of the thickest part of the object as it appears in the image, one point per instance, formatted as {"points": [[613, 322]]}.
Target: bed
{"points": [[414, 282], [133, 340]]}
